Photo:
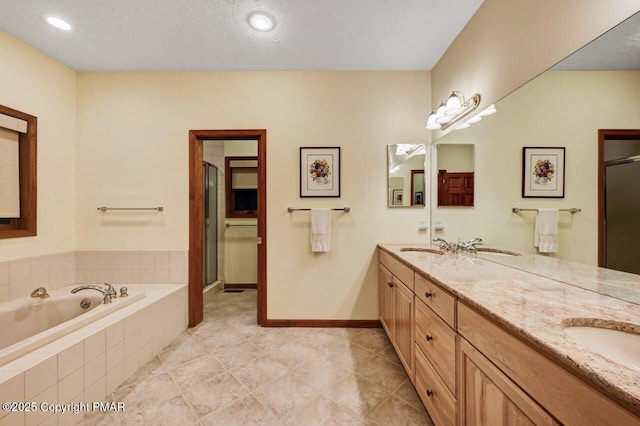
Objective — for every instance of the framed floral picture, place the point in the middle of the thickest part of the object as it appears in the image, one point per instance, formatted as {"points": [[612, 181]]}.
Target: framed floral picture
{"points": [[543, 172], [319, 171]]}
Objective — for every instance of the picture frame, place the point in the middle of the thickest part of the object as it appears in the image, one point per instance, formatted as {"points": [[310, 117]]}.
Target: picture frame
{"points": [[397, 195], [543, 172], [320, 172]]}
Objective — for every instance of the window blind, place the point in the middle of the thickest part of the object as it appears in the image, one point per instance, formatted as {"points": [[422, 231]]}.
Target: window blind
{"points": [[9, 174]]}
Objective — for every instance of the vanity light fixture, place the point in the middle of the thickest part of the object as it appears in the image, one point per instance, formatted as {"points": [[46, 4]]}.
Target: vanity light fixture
{"points": [[261, 21], [59, 23], [452, 111]]}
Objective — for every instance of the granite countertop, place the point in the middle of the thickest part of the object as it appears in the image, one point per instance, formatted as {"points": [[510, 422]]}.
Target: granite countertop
{"points": [[536, 308]]}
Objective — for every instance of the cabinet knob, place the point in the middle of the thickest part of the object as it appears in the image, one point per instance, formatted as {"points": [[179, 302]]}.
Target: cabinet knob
{"points": [[429, 393], [428, 295], [429, 338], [390, 284]]}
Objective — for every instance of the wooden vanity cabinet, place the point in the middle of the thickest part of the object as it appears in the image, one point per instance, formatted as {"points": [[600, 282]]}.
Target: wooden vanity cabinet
{"points": [[396, 306]]}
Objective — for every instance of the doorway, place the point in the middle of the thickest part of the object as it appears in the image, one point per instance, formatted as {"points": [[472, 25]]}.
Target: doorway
{"points": [[196, 217], [618, 199]]}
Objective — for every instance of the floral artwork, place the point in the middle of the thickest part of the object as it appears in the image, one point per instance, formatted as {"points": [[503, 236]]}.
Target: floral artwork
{"points": [[320, 172], [543, 172]]}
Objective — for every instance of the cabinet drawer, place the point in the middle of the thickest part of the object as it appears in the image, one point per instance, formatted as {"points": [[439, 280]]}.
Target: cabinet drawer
{"points": [[397, 268], [438, 299], [434, 394], [438, 342]]}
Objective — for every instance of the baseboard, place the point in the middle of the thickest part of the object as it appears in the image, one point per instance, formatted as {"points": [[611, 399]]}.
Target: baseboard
{"points": [[322, 323], [240, 285]]}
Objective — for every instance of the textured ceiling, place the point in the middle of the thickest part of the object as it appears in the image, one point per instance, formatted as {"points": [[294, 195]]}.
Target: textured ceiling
{"points": [[170, 35], [617, 49]]}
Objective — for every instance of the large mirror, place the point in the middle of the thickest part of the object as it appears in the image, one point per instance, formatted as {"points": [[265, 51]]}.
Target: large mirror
{"points": [[405, 175], [568, 106]]}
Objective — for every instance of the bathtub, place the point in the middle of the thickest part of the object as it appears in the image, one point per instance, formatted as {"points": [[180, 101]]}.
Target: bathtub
{"points": [[85, 358], [31, 323]]}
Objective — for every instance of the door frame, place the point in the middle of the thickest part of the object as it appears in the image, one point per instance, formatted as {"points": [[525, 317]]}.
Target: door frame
{"points": [[603, 136], [196, 217]]}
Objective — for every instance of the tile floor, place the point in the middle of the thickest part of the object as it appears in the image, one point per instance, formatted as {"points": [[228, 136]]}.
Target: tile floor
{"points": [[229, 371]]}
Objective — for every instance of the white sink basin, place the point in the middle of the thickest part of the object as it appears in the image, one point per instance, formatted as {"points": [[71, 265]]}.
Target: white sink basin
{"points": [[619, 346]]}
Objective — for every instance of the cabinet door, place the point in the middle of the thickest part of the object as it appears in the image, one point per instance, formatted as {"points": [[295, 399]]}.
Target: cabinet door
{"points": [[385, 290], [403, 322], [488, 397]]}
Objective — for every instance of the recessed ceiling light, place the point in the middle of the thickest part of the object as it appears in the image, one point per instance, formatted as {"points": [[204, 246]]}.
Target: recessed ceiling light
{"points": [[261, 21], [59, 23]]}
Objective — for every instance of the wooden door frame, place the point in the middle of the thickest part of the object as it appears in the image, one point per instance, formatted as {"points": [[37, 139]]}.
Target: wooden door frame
{"points": [[603, 136], [196, 217]]}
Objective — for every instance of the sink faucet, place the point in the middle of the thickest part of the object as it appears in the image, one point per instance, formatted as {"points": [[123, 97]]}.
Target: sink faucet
{"points": [[109, 292], [40, 293], [444, 245]]}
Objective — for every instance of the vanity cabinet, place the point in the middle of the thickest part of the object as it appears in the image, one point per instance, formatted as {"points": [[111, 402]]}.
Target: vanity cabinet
{"points": [[469, 371], [395, 284]]}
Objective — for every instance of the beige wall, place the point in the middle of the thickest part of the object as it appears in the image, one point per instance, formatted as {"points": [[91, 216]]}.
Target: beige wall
{"points": [[36, 84], [559, 108], [507, 43], [132, 150]]}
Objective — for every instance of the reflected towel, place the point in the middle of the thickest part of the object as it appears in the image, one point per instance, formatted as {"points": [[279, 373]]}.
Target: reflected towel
{"points": [[320, 230], [545, 236]]}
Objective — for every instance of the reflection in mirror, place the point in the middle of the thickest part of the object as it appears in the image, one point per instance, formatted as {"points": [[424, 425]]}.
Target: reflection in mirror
{"points": [[405, 175], [455, 174], [594, 89]]}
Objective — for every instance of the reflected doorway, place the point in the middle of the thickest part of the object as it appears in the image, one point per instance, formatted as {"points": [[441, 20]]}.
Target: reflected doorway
{"points": [[619, 199]]}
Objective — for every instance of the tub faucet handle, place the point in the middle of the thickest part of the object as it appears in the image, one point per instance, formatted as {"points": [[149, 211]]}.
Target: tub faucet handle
{"points": [[123, 292], [40, 293]]}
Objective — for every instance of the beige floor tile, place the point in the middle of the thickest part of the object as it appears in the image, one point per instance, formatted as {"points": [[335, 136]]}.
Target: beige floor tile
{"points": [[382, 373], [229, 371], [245, 411], [212, 395], [394, 411]]}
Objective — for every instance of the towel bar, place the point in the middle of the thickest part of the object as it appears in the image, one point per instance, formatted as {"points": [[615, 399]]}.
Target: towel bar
{"points": [[291, 209], [571, 210]]}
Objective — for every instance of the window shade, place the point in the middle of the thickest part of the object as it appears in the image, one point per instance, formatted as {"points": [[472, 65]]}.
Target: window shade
{"points": [[12, 123], [9, 174], [244, 178]]}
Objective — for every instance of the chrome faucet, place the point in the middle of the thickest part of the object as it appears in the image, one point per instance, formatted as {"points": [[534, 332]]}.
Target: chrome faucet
{"points": [[40, 293], [109, 292], [444, 245]]}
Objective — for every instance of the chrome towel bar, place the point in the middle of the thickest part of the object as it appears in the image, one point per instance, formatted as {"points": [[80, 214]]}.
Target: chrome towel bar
{"points": [[105, 209], [571, 210], [291, 209]]}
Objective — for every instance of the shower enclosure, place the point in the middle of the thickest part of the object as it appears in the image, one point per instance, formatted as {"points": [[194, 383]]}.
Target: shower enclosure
{"points": [[210, 246]]}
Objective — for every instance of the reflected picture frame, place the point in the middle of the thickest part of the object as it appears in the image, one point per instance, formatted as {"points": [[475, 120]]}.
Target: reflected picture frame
{"points": [[320, 172], [543, 172]]}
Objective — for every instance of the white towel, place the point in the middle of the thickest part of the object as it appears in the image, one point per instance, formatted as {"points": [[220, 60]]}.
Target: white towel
{"points": [[320, 230], [546, 231]]}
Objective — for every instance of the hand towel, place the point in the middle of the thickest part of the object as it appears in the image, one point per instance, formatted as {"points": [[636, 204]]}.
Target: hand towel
{"points": [[320, 230], [546, 231]]}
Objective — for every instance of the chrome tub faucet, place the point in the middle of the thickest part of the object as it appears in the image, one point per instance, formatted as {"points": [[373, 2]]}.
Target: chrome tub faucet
{"points": [[40, 293], [109, 292]]}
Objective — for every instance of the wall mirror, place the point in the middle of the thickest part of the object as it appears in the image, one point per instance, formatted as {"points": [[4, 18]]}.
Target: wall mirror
{"points": [[567, 106], [405, 175], [455, 174]]}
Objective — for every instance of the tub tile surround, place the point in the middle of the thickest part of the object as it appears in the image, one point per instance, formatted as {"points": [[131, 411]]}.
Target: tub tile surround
{"points": [[18, 278], [91, 362], [291, 376], [536, 308]]}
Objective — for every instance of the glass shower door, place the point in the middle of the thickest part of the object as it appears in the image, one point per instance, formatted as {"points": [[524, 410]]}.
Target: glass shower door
{"points": [[210, 258]]}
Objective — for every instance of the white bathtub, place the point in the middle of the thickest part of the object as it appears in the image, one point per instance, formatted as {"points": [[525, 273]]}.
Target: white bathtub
{"points": [[28, 324], [89, 356]]}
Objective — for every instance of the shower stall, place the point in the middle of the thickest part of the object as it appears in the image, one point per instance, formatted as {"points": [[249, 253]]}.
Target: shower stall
{"points": [[210, 246]]}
